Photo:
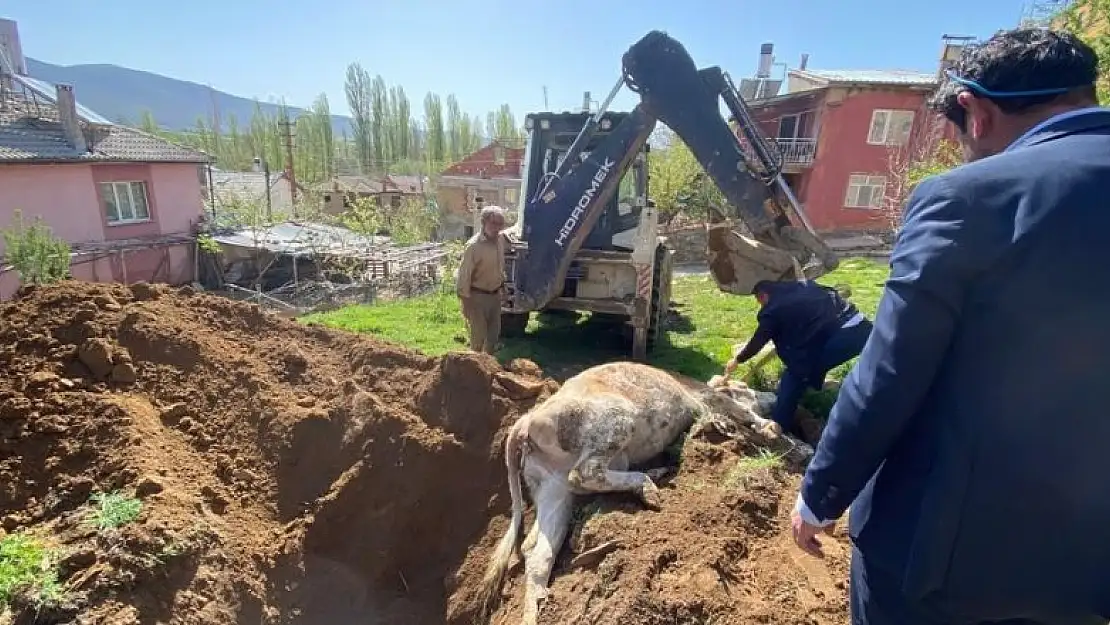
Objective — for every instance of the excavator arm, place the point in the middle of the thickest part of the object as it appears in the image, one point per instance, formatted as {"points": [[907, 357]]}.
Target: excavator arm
{"points": [[687, 100], [563, 209]]}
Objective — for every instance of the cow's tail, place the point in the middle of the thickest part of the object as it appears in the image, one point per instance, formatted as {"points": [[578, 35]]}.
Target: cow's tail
{"points": [[498, 566]]}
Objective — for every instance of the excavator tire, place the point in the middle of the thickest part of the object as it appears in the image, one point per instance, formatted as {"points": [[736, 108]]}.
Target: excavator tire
{"points": [[514, 324], [660, 295]]}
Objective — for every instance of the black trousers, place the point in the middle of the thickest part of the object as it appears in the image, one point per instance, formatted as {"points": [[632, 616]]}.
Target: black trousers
{"points": [[844, 345], [876, 599]]}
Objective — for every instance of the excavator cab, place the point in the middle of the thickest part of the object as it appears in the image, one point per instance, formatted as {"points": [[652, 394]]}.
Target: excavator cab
{"points": [[619, 268]]}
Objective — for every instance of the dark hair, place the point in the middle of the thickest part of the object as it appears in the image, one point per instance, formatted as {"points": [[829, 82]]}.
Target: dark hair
{"points": [[1026, 59], [761, 287]]}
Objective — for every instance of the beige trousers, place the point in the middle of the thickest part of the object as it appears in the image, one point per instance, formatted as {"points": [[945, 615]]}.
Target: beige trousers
{"points": [[483, 317]]}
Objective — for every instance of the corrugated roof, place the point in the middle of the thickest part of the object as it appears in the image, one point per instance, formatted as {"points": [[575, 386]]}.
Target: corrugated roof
{"points": [[47, 91], [869, 76], [300, 238], [31, 132]]}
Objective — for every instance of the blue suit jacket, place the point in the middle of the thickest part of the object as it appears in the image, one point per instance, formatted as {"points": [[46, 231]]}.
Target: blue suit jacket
{"points": [[974, 432]]}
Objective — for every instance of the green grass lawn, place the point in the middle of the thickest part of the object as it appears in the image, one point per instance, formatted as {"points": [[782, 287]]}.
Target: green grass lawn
{"points": [[699, 340]]}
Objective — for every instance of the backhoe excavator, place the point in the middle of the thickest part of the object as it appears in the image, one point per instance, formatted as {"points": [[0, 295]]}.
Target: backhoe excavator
{"points": [[580, 245]]}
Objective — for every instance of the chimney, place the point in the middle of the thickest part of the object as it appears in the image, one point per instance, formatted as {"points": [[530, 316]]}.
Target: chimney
{"points": [[766, 58], [586, 102], [67, 114], [11, 50], [805, 61]]}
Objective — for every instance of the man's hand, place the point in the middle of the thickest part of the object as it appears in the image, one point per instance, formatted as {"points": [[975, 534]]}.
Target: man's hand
{"points": [[805, 535], [730, 366]]}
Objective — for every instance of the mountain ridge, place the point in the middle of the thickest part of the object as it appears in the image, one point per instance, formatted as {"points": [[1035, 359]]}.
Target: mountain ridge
{"points": [[122, 94]]}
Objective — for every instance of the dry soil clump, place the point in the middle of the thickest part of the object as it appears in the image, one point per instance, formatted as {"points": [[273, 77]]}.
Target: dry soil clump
{"points": [[294, 475]]}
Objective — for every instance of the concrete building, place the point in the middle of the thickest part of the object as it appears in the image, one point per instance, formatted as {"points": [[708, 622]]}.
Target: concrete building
{"points": [[843, 135], [492, 174]]}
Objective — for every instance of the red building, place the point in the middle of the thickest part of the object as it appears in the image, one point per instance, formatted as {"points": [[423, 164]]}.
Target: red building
{"points": [[844, 135]]}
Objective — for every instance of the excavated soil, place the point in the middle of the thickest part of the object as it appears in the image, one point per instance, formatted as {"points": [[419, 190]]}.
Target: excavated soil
{"points": [[292, 475]]}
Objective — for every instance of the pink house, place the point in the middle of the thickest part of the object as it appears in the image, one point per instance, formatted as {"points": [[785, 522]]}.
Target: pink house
{"points": [[126, 201]]}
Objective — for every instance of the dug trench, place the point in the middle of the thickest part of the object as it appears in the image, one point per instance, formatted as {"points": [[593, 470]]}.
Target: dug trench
{"points": [[292, 475]]}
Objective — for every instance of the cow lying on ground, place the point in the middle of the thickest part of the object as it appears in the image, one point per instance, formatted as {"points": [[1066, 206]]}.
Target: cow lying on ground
{"points": [[583, 439]]}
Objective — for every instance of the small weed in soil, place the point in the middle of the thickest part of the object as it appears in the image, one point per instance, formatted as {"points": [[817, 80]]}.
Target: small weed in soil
{"points": [[765, 459], [114, 510], [29, 568]]}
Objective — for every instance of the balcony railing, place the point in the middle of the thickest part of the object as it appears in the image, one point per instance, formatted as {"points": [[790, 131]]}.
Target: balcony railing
{"points": [[797, 151], [794, 151]]}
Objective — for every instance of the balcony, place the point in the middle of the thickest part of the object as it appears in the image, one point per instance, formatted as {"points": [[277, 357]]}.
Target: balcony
{"points": [[797, 151], [797, 154]]}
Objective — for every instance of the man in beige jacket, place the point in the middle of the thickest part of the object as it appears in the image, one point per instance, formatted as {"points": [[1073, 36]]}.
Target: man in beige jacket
{"points": [[481, 281]]}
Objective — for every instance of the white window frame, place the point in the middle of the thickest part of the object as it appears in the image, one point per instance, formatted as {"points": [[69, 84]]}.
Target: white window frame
{"points": [[512, 195], [125, 189], [874, 183], [883, 133]]}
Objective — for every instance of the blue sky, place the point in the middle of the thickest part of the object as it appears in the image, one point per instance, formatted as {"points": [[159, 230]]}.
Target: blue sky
{"points": [[487, 52]]}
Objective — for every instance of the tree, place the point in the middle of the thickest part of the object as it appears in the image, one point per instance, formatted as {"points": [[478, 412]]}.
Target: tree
{"points": [[927, 153], [385, 137], [502, 126], [1090, 20], [458, 130], [679, 185], [358, 100], [379, 109], [435, 136], [37, 255], [147, 123]]}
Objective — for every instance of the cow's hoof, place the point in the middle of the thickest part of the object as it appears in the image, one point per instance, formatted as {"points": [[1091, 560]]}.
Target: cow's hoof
{"points": [[649, 494]]}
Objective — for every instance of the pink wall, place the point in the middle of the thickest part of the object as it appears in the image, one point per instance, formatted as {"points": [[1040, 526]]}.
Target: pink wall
{"points": [[177, 192], [842, 120], [67, 198], [63, 195], [842, 150]]}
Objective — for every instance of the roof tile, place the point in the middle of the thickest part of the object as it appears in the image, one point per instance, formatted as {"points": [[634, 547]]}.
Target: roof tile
{"points": [[31, 132]]}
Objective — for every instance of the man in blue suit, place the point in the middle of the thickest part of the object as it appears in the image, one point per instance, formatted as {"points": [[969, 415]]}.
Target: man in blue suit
{"points": [[972, 439]]}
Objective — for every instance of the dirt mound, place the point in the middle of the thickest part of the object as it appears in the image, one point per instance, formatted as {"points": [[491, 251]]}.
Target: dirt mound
{"points": [[291, 475], [283, 469]]}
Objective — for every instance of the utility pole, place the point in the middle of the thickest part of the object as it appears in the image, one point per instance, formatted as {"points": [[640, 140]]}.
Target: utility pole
{"points": [[288, 134]]}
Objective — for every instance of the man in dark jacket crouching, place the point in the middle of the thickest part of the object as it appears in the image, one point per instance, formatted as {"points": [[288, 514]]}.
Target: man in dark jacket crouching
{"points": [[813, 330]]}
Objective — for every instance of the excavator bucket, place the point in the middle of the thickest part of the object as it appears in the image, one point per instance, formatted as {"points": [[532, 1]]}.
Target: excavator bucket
{"points": [[737, 262]]}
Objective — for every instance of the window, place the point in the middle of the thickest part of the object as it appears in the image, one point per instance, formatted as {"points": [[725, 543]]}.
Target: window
{"points": [[890, 127], [510, 196], [796, 126], [125, 202], [395, 201], [499, 155], [788, 126], [865, 191]]}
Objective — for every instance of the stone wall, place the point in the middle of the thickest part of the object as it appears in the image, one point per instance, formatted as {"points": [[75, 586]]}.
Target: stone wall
{"points": [[688, 242]]}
